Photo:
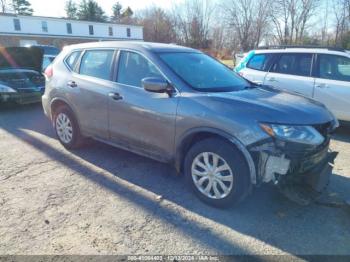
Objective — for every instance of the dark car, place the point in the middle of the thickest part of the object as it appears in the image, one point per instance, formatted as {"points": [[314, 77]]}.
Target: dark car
{"points": [[180, 106], [50, 53], [21, 78]]}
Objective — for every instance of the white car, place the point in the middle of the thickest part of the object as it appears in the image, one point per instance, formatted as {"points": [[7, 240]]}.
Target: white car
{"points": [[319, 73]]}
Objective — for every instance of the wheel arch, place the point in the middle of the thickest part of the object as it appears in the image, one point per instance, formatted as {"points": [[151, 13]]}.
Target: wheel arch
{"points": [[197, 134], [56, 103]]}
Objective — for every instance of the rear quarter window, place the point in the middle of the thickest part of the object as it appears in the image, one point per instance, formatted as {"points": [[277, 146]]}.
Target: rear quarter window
{"points": [[260, 62], [72, 59]]}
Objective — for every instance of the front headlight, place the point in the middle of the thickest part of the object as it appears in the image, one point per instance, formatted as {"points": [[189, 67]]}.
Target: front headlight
{"points": [[6, 89], [299, 134]]}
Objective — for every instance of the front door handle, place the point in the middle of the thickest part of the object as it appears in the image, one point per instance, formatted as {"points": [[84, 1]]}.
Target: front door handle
{"points": [[115, 96], [72, 84]]}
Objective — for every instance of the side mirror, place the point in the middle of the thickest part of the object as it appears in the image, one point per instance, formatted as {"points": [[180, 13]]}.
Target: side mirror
{"points": [[155, 84]]}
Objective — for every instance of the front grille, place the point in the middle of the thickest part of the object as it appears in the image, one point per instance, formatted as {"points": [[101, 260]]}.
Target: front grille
{"points": [[301, 151], [305, 158]]}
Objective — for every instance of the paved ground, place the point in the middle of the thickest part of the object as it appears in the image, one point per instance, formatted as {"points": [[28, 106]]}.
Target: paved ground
{"points": [[102, 200]]}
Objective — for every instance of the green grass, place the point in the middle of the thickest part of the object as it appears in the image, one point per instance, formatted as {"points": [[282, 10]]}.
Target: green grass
{"points": [[229, 63]]}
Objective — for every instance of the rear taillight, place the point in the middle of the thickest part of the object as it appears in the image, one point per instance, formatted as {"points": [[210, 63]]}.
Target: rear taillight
{"points": [[49, 71]]}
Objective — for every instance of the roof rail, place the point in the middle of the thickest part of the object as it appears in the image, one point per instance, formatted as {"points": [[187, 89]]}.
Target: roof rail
{"points": [[332, 48]]}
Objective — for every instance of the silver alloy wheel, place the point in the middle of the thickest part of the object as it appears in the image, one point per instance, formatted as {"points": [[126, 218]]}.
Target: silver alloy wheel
{"points": [[212, 175], [64, 128]]}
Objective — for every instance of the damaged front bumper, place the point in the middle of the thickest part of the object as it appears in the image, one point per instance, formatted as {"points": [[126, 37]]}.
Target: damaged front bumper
{"points": [[298, 169]]}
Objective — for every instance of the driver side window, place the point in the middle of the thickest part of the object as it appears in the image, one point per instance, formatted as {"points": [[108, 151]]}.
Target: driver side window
{"points": [[133, 68]]}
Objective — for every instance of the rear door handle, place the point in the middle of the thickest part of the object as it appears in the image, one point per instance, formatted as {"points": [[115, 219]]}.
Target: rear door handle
{"points": [[72, 84], [322, 85], [115, 96], [272, 79]]}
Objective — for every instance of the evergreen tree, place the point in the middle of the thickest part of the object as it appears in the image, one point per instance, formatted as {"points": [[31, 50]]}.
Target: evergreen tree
{"points": [[71, 9], [89, 10], [22, 7], [117, 12], [128, 13]]}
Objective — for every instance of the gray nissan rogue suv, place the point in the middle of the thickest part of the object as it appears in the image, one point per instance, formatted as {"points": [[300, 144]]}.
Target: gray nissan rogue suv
{"points": [[178, 105]]}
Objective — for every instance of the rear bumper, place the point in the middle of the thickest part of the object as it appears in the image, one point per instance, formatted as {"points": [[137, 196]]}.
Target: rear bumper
{"points": [[21, 98]]}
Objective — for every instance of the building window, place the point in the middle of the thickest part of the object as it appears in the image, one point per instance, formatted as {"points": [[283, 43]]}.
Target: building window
{"points": [[17, 24], [91, 29], [128, 32], [69, 28], [110, 31], [44, 26]]}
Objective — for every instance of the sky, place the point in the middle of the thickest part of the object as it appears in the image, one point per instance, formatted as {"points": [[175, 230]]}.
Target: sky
{"points": [[55, 8]]}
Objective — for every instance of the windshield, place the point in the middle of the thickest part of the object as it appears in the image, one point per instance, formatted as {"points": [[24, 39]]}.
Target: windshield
{"points": [[204, 73]]}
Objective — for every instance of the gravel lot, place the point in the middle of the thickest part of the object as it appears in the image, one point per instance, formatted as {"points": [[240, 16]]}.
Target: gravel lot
{"points": [[102, 200]]}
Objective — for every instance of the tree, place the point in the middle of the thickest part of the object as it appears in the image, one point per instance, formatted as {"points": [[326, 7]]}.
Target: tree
{"points": [[117, 12], [249, 20], [342, 23], [22, 7], [127, 16], [71, 9], [3, 6], [192, 21], [291, 18], [127, 12], [157, 25], [89, 10]]}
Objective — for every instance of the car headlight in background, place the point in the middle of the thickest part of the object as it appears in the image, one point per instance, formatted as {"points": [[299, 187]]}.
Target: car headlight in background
{"points": [[298, 134], [6, 89]]}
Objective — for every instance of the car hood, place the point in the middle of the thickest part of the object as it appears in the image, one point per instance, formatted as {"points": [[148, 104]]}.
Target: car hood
{"points": [[267, 104], [21, 58]]}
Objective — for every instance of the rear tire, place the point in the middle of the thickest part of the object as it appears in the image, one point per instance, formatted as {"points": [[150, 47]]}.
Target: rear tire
{"points": [[67, 128], [217, 172]]}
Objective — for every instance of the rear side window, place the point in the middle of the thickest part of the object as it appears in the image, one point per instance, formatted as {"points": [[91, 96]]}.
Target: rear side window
{"points": [[334, 67], [97, 63], [260, 62], [293, 64], [72, 59], [133, 68]]}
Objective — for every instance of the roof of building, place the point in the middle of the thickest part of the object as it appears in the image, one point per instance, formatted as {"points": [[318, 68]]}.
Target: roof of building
{"points": [[64, 19]]}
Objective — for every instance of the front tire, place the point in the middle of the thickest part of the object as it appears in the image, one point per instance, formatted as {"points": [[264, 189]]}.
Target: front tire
{"points": [[217, 172], [66, 127]]}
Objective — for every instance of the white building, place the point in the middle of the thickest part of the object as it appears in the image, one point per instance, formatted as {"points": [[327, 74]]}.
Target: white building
{"points": [[23, 30]]}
